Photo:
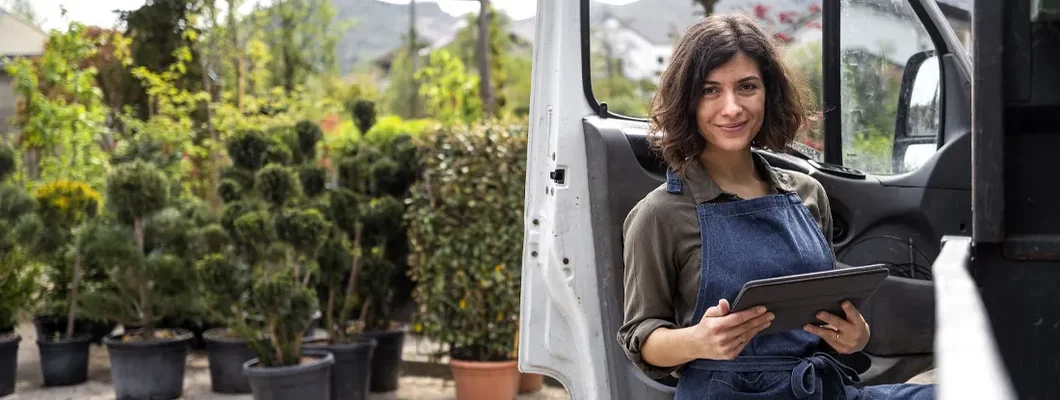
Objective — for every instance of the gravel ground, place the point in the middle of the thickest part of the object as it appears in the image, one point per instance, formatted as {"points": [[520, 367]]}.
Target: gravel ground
{"points": [[197, 380]]}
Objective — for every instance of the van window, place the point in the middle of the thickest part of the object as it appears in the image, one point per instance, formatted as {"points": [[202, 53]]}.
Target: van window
{"points": [[630, 46]]}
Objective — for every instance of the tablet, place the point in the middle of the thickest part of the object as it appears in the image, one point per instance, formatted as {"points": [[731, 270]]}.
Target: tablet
{"points": [[795, 300]]}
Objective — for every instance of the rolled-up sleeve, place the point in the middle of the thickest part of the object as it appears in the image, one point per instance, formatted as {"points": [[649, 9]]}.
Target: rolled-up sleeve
{"points": [[649, 277]]}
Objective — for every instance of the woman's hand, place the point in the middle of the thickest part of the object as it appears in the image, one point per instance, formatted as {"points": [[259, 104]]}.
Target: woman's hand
{"points": [[846, 336], [722, 336]]}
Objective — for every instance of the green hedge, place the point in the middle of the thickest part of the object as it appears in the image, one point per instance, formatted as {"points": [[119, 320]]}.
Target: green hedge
{"points": [[465, 218]]}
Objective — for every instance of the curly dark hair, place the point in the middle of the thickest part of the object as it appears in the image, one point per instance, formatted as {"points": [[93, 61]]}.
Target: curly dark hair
{"points": [[705, 46]]}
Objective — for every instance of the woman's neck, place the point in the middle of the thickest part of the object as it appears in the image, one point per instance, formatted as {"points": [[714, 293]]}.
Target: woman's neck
{"points": [[735, 167]]}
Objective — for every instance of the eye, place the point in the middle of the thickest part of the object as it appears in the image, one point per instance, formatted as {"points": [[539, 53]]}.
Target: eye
{"points": [[710, 90], [748, 87]]}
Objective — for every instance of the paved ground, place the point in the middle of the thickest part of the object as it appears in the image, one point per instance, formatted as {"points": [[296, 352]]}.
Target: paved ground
{"points": [[429, 382], [197, 380]]}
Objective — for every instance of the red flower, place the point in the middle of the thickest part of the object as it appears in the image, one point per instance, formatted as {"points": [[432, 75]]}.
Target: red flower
{"points": [[785, 17], [815, 8], [784, 37], [760, 11]]}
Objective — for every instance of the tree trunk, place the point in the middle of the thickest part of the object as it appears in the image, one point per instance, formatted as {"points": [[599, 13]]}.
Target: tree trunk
{"points": [[708, 6], [414, 95], [214, 180], [485, 86], [355, 270], [237, 54], [146, 316], [71, 302]]}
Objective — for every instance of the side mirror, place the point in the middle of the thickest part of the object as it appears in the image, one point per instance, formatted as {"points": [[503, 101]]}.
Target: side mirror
{"points": [[918, 120]]}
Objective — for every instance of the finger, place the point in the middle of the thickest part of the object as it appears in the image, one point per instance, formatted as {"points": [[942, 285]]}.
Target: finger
{"points": [[828, 335], [853, 315], [755, 330], [736, 319], [747, 327], [837, 340], [720, 310], [834, 320]]}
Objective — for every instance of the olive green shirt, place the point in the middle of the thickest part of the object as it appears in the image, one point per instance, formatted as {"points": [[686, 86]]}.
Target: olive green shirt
{"points": [[661, 251]]}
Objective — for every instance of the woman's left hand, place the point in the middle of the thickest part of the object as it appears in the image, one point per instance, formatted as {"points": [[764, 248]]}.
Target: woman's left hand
{"points": [[846, 336]]}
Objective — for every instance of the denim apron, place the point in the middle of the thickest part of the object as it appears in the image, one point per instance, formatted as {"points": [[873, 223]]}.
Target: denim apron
{"points": [[766, 237]]}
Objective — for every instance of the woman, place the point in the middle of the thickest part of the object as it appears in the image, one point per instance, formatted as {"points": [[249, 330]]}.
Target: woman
{"points": [[725, 217]]}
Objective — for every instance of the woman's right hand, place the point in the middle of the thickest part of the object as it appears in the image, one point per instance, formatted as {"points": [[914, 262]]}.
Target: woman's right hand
{"points": [[722, 335]]}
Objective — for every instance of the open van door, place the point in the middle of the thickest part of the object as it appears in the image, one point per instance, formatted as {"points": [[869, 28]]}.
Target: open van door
{"points": [[893, 155]]}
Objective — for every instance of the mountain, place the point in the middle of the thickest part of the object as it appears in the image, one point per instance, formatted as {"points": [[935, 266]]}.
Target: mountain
{"points": [[381, 27]]}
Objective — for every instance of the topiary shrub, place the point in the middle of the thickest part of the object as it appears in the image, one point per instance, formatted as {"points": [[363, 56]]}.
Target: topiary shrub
{"points": [[147, 251], [363, 112], [20, 227], [465, 216]]}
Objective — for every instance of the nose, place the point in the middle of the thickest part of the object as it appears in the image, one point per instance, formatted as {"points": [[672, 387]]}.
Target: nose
{"points": [[730, 107]]}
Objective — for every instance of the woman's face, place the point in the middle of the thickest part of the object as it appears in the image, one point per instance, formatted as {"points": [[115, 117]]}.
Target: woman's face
{"points": [[732, 107]]}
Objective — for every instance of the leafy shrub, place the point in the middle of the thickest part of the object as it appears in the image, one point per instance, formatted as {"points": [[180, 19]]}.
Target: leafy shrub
{"points": [[465, 230], [63, 207], [7, 162], [20, 226]]}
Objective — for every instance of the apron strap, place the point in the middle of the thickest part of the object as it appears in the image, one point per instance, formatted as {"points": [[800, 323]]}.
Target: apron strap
{"points": [[674, 184]]}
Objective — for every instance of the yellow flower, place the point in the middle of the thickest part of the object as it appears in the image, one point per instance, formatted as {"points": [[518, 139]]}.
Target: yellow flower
{"points": [[418, 328], [463, 304], [499, 267]]}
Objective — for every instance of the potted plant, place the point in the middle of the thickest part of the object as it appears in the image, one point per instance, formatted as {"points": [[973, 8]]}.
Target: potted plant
{"points": [[226, 285], [282, 370], [19, 227], [465, 216], [301, 223], [64, 206], [275, 232], [147, 250], [376, 178]]}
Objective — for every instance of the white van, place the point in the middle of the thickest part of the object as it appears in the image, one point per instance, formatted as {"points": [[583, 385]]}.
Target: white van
{"points": [[895, 192]]}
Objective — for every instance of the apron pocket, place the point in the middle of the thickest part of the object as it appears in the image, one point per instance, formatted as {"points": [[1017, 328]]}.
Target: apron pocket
{"points": [[764, 385]]}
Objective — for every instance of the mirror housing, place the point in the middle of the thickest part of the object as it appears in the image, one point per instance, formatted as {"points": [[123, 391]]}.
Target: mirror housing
{"points": [[918, 118]]}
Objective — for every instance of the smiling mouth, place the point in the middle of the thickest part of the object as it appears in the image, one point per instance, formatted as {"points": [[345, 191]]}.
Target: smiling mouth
{"points": [[732, 127]]}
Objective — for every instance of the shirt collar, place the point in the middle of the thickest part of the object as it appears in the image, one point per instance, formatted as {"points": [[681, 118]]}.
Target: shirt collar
{"points": [[705, 190]]}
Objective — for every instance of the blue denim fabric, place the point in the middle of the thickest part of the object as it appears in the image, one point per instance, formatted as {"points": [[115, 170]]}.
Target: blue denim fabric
{"points": [[766, 237]]}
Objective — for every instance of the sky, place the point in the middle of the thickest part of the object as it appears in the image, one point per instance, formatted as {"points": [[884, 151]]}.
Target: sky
{"points": [[100, 12]]}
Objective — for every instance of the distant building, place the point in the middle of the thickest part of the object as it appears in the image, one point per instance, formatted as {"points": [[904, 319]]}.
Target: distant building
{"points": [[17, 39]]}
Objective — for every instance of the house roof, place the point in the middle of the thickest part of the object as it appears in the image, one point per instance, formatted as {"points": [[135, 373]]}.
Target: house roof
{"points": [[19, 19], [21, 48]]}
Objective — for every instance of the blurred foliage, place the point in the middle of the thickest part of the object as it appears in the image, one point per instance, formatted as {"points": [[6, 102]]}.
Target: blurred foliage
{"points": [[465, 231]]}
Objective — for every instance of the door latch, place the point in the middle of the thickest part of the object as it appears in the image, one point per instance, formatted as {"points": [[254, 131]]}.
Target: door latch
{"points": [[558, 175]]}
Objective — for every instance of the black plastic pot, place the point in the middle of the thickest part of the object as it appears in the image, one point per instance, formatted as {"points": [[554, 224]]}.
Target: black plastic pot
{"points": [[227, 356], [352, 370], [64, 361], [386, 360], [8, 361], [148, 369], [305, 381]]}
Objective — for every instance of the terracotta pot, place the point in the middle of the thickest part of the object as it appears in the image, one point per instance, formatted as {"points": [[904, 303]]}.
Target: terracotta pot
{"points": [[484, 380], [529, 383]]}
